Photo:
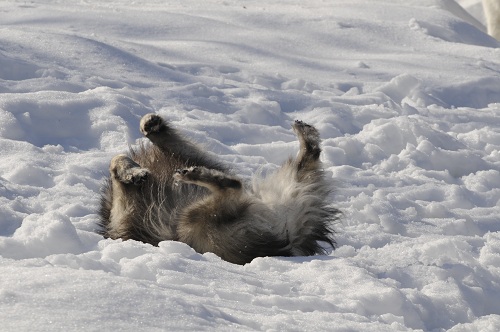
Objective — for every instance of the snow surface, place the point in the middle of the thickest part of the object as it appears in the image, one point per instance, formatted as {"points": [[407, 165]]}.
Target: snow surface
{"points": [[406, 95]]}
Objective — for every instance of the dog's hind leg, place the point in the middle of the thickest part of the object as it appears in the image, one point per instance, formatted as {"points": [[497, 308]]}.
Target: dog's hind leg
{"points": [[229, 222], [298, 192], [307, 159], [211, 224]]}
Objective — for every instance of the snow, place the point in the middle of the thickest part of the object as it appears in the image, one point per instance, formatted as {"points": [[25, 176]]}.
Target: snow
{"points": [[406, 96]]}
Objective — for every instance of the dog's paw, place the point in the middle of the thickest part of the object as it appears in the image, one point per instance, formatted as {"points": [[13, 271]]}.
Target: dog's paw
{"points": [[151, 123], [188, 174], [307, 132], [125, 170], [135, 175]]}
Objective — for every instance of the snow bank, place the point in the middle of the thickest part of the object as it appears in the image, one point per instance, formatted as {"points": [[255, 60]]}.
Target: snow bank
{"points": [[404, 93]]}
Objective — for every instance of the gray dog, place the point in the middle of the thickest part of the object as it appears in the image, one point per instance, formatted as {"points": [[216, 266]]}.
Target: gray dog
{"points": [[172, 190]]}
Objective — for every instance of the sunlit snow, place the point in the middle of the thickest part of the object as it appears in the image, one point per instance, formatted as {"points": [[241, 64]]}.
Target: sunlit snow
{"points": [[405, 94]]}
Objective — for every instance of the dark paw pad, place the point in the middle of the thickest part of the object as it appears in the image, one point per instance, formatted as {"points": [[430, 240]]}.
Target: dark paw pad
{"points": [[136, 176], [308, 132], [190, 173], [140, 176], [151, 123]]}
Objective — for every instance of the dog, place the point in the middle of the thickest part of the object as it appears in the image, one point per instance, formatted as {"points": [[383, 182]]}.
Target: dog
{"points": [[173, 190]]}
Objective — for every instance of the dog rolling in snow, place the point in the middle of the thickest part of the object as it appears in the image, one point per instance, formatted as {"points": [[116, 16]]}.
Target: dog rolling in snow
{"points": [[172, 190]]}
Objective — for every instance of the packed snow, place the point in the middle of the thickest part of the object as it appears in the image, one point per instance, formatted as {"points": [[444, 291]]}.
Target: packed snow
{"points": [[406, 96]]}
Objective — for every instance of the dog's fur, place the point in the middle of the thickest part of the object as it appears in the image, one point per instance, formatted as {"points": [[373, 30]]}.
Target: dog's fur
{"points": [[172, 190]]}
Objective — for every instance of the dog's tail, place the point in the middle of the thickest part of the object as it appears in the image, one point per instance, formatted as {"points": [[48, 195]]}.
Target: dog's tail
{"points": [[303, 213]]}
